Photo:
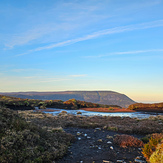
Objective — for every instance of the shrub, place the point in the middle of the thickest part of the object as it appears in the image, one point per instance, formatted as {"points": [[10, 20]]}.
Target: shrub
{"points": [[150, 147], [25, 142], [127, 141], [157, 156], [112, 128]]}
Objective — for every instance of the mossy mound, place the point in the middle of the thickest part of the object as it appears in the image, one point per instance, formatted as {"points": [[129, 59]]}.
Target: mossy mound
{"points": [[24, 142]]}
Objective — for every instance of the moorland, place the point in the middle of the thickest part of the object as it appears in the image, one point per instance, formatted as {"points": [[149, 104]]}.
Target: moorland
{"points": [[27, 135]]}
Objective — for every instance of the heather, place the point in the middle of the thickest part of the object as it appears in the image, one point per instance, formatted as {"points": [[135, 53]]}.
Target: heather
{"points": [[120, 124], [157, 107], [153, 150], [21, 141]]}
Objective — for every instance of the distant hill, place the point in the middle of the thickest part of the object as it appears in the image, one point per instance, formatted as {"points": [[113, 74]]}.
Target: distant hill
{"points": [[101, 97]]}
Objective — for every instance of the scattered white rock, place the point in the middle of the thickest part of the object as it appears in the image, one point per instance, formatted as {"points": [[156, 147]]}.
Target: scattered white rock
{"points": [[88, 137], [97, 128], [139, 161], [78, 133], [105, 127], [99, 147], [99, 140], [107, 161], [111, 147], [85, 134], [81, 161], [120, 161], [109, 137], [79, 138], [109, 142]]}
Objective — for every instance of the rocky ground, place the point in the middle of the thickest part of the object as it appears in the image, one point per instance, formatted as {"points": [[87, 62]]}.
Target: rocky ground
{"points": [[97, 146], [95, 135]]}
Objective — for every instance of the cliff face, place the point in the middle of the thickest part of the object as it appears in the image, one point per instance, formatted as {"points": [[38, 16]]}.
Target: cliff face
{"points": [[101, 97]]}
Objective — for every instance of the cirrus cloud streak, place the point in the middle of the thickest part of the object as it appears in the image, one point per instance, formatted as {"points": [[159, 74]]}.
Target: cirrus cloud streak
{"points": [[115, 30]]}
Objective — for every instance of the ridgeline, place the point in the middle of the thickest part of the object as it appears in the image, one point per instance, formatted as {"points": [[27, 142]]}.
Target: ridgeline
{"points": [[100, 97]]}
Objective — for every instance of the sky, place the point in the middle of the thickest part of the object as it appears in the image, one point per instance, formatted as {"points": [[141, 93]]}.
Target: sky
{"points": [[60, 45]]}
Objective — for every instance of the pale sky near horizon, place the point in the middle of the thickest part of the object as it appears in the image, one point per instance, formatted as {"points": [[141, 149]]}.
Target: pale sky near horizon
{"points": [[59, 45]]}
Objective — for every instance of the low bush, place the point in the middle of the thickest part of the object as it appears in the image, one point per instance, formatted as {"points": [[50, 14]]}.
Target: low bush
{"points": [[151, 148], [25, 142], [127, 141], [157, 156]]}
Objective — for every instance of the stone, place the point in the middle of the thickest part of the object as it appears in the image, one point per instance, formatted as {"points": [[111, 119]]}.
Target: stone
{"points": [[109, 142], [104, 161], [121, 161], [109, 137], [78, 133], [99, 140], [105, 127], [139, 161], [79, 112], [111, 147]]}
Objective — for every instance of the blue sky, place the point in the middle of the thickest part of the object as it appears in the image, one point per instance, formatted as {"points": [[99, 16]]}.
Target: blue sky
{"points": [[58, 45]]}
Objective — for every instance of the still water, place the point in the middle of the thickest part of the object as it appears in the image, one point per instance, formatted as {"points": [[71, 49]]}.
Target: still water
{"points": [[139, 115]]}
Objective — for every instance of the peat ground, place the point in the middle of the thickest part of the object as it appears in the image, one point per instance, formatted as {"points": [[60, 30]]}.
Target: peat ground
{"points": [[96, 146], [94, 135]]}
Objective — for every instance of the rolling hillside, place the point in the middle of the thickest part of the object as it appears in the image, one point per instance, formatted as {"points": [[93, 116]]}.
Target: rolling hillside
{"points": [[101, 97]]}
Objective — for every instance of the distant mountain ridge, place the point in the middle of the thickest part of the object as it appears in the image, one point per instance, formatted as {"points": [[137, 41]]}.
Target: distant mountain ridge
{"points": [[101, 97]]}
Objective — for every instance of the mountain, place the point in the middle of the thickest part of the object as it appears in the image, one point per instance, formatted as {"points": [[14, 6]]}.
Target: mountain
{"points": [[101, 97]]}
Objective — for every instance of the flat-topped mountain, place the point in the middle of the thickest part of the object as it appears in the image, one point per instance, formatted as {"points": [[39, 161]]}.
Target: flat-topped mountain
{"points": [[101, 97]]}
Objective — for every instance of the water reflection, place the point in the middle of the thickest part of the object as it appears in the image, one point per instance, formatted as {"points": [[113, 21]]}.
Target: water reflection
{"points": [[139, 115]]}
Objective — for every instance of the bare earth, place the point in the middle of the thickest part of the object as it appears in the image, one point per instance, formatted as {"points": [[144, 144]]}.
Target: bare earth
{"points": [[96, 146]]}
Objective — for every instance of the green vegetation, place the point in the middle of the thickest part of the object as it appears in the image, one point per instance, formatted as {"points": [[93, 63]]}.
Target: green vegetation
{"points": [[153, 150], [25, 142], [157, 155]]}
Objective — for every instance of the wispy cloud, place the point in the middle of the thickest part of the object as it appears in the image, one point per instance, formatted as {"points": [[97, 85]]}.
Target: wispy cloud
{"points": [[125, 52], [33, 34], [76, 76], [121, 29], [54, 80], [27, 70]]}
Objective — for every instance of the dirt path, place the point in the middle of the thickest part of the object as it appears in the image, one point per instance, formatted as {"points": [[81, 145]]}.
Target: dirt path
{"points": [[96, 145]]}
